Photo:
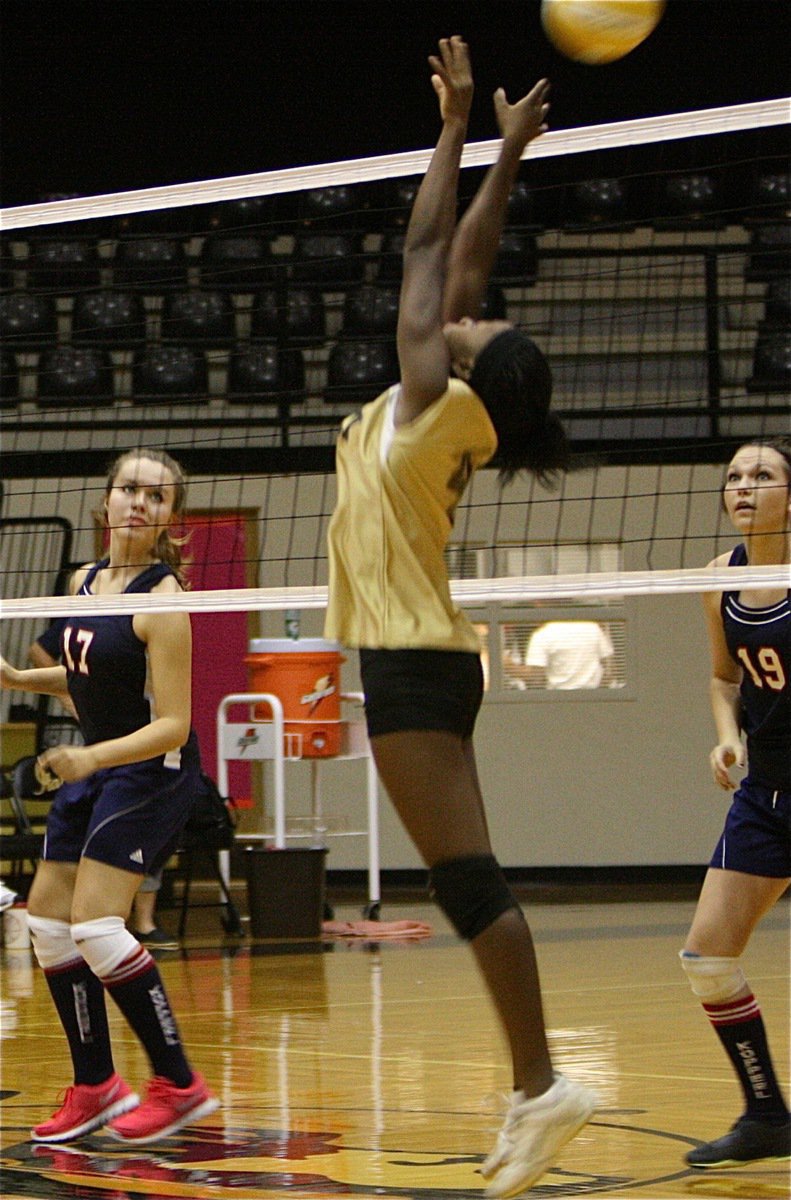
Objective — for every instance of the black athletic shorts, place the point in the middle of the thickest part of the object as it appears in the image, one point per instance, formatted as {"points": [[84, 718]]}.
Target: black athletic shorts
{"points": [[421, 689]]}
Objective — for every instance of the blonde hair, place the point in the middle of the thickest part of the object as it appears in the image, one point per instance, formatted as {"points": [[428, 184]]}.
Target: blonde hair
{"points": [[167, 547]]}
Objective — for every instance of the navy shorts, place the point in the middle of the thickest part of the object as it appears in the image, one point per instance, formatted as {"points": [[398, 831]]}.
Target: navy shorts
{"points": [[421, 689], [129, 817], [757, 835]]}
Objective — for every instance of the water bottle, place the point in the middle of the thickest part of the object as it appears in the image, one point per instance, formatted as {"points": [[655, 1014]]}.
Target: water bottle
{"points": [[292, 624]]}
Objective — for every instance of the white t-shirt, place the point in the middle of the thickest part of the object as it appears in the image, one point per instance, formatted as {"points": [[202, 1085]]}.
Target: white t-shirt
{"points": [[571, 652]]}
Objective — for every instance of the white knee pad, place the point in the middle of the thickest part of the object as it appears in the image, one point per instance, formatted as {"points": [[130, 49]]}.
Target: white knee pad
{"points": [[104, 943], [53, 944], [713, 980]]}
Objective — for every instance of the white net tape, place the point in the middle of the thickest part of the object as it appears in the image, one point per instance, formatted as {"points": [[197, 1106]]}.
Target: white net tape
{"points": [[468, 593]]}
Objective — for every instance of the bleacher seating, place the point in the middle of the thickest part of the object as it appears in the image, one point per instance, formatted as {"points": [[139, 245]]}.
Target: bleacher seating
{"points": [[253, 211], [397, 200], [340, 207], [327, 259], [777, 305], [691, 201], [598, 202], [291, 314], [7, 263], [27, 321], [771, 194], [265, 372], [9, 379], [174, 371], [63, 264], [770, 251], [201, 316], [108, 317], [371, 309], [517, 257], [240, 261], [152, 262], [390, 257], [358, 369], [74, 376], [772, 362]]}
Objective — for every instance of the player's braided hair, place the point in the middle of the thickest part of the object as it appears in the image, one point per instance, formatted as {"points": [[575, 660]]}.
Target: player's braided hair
{"points": [[512, 377]]}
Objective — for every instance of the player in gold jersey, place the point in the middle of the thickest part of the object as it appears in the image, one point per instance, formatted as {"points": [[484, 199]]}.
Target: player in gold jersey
{"points": [[403, 464]]}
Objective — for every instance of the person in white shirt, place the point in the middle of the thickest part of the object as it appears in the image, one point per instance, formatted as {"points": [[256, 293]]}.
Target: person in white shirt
{"points": [[563, 655]]}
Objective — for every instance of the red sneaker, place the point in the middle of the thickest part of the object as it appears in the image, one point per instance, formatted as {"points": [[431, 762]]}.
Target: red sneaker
{"points": [[165, 1110], [87, 1107]]}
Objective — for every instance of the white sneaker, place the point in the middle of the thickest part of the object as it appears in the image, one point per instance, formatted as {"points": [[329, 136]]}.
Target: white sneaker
{"points": [[533, 1133], [7, 896]]}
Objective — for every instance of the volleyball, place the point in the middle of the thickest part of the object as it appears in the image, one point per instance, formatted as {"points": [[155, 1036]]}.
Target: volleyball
{"points": [[599, 31]]}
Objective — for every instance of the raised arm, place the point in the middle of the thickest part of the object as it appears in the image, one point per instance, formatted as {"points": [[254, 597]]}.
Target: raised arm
{"points": [[477, 238], [422, 352]]}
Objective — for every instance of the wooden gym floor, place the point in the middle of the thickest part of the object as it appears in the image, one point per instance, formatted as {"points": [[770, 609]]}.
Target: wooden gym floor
{"points": [[377, 1070]]}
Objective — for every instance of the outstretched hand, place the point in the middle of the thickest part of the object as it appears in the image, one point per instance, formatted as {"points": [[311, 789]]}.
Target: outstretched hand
{"points": [[452, 78], [527, 119]]}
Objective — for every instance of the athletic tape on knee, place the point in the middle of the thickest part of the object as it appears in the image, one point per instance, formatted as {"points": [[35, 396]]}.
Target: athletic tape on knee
{"points": [[472, 892], [714, 980], [105, 943], [53, 944]]}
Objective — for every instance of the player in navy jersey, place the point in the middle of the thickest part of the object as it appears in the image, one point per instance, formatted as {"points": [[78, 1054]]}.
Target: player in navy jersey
{"points": [[750, 637], [45, 652], [124, 798]]}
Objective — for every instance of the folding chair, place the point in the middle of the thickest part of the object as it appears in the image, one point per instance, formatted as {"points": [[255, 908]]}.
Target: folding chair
{"points": [[22, 834], [203, 837]]}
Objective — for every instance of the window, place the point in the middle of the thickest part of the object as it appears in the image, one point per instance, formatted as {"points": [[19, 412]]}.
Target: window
{"points": [[548, 647], [565, 654]]}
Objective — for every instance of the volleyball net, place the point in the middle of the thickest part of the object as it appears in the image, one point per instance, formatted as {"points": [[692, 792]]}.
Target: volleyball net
{"points": [[236, 322]]}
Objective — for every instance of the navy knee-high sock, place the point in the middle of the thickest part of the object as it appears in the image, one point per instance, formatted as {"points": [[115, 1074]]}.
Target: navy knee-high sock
{"points": [[79, 999], [141, 997], [740, 1027], [131, 977]]}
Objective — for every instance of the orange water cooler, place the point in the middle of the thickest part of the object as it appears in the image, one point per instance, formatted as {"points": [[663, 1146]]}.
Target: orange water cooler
{"points": [[305, 675]]}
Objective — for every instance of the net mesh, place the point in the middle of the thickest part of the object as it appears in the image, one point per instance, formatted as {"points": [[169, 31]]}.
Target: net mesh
{"points": [[236, 321]]}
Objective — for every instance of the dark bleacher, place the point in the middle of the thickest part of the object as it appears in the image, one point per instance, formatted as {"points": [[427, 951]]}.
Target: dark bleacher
{"points": [[278, 315]]}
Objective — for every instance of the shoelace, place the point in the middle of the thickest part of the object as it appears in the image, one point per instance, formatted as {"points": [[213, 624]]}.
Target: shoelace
{"points": [[63, 1097], [501, 1102]]}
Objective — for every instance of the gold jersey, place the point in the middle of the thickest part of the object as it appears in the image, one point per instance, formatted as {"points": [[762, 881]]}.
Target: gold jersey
{"points": [[398, 489]]}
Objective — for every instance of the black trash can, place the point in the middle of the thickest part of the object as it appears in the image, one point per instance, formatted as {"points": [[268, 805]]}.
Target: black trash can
{"points": [[285, 891]]}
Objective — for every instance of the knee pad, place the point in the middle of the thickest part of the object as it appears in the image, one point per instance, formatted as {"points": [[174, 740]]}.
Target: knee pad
{"points": [[472, 893], [713, 980], [53, 944], [105, 943]]}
